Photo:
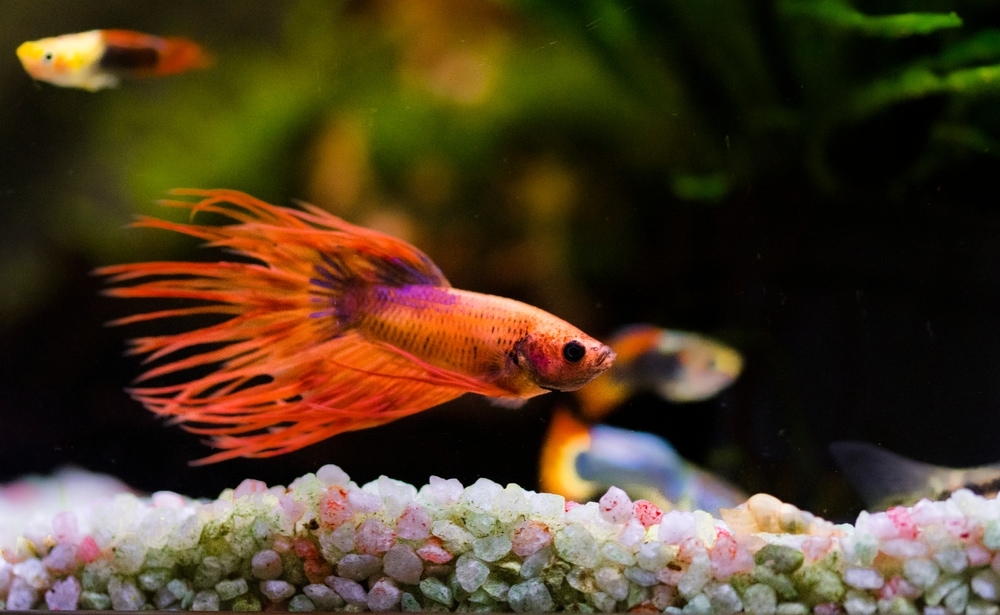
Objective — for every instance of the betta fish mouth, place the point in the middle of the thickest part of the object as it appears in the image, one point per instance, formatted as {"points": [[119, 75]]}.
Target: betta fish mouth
{"points": [[606, 354]]}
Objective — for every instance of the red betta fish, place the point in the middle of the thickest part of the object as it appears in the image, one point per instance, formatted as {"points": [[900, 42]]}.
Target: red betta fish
{"points": [[332, 328], [97, 59]]}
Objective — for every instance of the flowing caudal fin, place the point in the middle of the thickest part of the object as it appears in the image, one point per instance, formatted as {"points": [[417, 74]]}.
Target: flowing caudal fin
{"points": [[283, 368]]}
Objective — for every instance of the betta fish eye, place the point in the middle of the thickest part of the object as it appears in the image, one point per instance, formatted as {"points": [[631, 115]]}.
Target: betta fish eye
{"points": [[573, 351], [48, 56]]}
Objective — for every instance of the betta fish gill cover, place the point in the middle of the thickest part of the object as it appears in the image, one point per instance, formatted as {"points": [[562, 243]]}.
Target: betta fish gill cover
{"points": [[586, 306]]}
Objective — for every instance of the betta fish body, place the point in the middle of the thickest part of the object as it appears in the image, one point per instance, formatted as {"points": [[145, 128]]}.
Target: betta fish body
{"points": [[96, 59], [334, 328]]}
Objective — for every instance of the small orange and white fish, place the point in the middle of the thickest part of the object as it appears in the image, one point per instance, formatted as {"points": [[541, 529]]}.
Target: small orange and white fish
{"points": [[99, 58], [332, 328], [580, 461], [677, 365], [884, 479]]}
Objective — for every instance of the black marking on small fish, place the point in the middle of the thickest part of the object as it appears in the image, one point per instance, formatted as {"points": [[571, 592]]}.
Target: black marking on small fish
{"points": [[129, 58]]}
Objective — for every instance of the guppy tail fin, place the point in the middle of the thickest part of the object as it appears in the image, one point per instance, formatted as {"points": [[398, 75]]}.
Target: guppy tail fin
{"points": [[146, 55], [283, 369]]}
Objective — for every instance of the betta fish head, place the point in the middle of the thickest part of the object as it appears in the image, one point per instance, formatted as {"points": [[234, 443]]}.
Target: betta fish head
{"points": [[562, 362]]}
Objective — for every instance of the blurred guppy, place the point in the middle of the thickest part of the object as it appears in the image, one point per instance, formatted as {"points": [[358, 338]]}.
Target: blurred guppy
{"points": [[97, 59], [334, 328], [580, 461], [885, 479], [679, 366]]}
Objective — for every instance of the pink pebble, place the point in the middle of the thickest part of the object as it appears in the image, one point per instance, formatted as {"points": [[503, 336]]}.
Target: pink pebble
{"points": [[616, 506], [896, 587], [978, 554], [903, 521], [527, 537], [88, 550], [374, 537], [729, 557], [292, 509], [647, 513], [334, 510], [433, 552], [249, 486], [65, 527], [414, 523]]}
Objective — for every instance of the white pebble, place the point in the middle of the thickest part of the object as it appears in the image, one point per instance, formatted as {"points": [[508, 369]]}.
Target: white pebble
{"points": [[350, 591], [479, 496], [323, 597], [859, 603], [384, 595], [986, 585], [547, 507], [863, 578], [470, 572], [277, 590], [723, 598], [124, 595], [921, 572], [952, 560], [64, 595], [402, 564], [414, 523], [266, 565], [760, 599], [205, 600], [612, 582], [530, 596], [332, 475], [575, 544], [33, 572], [358, 566], [21, 597], [443, 492], [491, 548]]}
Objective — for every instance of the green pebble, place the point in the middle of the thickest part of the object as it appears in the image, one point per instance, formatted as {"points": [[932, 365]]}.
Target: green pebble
{"points": [[819, 584], [792, 608], [760, 599], [291, 569], [246, 603], [636, 595], [154, 579], [900, 606], [939, 590], [96, 576], [781, 583], [991, 537], [95, 601], [779, 558], [981, 607], [300, 603], [699, 604], [435, 590], [957, 599], [231, 588], [208, 573], [553, 576], [575, 544], [480, 596], [496, 587], [408, 603]]}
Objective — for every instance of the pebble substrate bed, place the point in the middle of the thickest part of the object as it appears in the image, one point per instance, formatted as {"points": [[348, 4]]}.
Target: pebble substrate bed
{"points": [[324, 543]]}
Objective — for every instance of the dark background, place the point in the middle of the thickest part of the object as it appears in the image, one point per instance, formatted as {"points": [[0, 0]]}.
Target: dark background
{"points": [[820, 196]]}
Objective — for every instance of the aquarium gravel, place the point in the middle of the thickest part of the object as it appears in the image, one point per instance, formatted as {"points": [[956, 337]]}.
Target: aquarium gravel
{"points": [[324, 543]]}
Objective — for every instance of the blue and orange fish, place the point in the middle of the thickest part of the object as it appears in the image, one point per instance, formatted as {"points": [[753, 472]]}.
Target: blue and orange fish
{"points": [[97, 59], [331, 328], [580, 461], [679, 366]]}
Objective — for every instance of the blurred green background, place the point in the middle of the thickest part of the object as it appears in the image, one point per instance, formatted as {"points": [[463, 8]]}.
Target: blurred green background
{"points": [[811, 181]]}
